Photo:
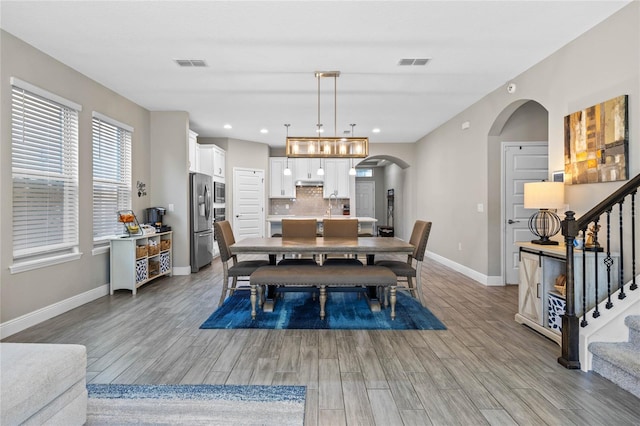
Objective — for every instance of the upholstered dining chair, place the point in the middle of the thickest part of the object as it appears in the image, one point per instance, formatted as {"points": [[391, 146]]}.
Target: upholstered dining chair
{"points": [[340, 228], [299, 228], [232, 268], [411, 269]]}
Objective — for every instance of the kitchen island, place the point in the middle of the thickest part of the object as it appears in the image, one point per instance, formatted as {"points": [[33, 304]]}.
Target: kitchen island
{"points": [[366, 225]]}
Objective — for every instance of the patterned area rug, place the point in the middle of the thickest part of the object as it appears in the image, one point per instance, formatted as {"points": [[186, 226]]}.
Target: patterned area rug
{"points": [[344, 310], [195, 405]]}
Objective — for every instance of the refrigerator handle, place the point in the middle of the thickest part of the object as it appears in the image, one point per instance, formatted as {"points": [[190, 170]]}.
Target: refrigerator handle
{"points": [[207, 203]]}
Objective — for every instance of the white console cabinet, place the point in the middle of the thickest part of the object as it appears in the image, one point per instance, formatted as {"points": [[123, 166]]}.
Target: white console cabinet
{"points": [[540, 305], [139, 259]]}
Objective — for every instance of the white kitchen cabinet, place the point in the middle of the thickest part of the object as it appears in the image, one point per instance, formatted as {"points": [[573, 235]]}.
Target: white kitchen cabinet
{"points": [[211, 161], [540, 305], [280, 186], [205, 159], [137, 260], [336, 177], [193, 151], [219, 162], [307, 169]]}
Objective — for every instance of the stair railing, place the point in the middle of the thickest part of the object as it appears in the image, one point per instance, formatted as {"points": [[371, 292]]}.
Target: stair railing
{"points": [[571, 228]]}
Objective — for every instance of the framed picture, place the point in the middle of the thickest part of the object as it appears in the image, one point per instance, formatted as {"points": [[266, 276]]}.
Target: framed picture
{"points": [[557, 176], [596, 143]]}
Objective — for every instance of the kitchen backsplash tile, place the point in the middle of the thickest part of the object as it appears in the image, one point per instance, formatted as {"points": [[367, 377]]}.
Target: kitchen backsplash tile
{"points": [[308, 202]]}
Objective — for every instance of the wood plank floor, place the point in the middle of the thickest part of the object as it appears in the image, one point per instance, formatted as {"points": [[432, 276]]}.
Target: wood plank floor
{"points": [[484, 369]]}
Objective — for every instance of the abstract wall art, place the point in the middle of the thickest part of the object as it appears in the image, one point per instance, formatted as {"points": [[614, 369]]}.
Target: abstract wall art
{"points": [[596, 143]]}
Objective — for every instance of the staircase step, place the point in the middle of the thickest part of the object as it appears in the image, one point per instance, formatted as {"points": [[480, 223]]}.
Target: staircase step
{"points": [[618, 362], [633, 322]]}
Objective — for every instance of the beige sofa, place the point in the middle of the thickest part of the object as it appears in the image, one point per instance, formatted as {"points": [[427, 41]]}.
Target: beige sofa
{"points": [[43, 384]]}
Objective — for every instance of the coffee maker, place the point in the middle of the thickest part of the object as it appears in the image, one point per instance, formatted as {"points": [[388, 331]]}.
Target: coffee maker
{"points": [[154, 218]]}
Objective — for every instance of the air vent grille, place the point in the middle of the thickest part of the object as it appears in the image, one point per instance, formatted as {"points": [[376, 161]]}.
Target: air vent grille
{"points": [[191, 62], [413, 62]]}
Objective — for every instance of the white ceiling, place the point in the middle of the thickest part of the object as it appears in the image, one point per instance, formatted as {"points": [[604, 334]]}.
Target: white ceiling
{"points": [[262, 55]]}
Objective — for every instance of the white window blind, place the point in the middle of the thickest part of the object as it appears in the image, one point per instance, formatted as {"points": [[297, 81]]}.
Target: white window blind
{"points": [[111, 176], [44, 155]]}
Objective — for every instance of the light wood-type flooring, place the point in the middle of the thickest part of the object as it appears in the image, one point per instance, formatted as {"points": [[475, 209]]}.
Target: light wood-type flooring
{"points": [[484, 369]]}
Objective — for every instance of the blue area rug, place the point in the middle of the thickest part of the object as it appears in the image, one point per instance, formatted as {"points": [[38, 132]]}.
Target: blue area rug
{"points": [[111, 404], [344, 311]]}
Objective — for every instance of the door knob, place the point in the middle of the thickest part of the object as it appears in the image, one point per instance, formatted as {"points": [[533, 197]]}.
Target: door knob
{"points": [[511, 221]]}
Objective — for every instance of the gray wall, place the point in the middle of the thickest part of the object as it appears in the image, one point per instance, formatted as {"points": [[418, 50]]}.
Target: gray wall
{"points": [[453, 176], [30, 291], [170, 179]]}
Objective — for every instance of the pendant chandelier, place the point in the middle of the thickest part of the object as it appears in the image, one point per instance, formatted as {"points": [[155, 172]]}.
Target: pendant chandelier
{"points": [[327, 147]]}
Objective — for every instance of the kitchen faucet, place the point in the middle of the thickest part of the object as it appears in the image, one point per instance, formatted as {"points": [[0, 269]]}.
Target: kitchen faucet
{"points": [[334, 194]]}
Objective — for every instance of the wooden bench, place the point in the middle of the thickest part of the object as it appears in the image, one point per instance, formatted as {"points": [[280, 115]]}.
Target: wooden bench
{"points": [[323, 277]]}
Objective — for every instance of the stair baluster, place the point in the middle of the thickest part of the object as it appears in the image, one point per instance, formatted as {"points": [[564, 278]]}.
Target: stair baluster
{"points": [[571, 228]]}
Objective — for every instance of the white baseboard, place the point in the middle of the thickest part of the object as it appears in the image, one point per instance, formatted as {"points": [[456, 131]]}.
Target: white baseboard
{"points": [[32, 318], [181, 270], [483, 279]]}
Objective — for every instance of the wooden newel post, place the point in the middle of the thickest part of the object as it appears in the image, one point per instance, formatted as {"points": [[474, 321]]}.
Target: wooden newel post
{"points": [[570, 357]]}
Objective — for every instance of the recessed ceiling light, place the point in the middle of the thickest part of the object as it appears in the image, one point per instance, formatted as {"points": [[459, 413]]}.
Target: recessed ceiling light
{"points": [[376, 130], [228, 126], [264, 131]]}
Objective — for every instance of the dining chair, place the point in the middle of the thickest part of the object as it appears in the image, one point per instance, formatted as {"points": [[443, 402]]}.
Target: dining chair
{"points": [[232, 268], [407, 271], [340, 228], [299, 228]]}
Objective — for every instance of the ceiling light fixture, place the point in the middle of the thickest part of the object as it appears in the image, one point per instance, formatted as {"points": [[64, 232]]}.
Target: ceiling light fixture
{"points": [[327, 147], [264, 131], [228, 126], [352, 170], [287, 170]]}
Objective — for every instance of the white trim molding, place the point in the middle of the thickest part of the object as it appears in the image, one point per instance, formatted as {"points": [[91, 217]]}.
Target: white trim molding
{"points": [[36, 317], [486, 280], [181, 270]]}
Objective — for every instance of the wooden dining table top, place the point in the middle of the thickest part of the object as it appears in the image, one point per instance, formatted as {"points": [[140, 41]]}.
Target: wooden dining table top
{"points": [[363, 245]]}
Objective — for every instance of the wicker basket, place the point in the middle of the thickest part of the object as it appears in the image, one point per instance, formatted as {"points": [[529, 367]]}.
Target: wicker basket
{"points": [[154, 267], [141, 251], [154, 249], [165, 245], [561, 284]]}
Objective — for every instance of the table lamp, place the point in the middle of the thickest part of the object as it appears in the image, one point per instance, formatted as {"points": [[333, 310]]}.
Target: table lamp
{"points": [[544, 196]]}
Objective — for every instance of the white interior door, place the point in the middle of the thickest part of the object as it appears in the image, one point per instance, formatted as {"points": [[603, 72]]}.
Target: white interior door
{"points": [[248, 203], [521, 162], [365, 198]]}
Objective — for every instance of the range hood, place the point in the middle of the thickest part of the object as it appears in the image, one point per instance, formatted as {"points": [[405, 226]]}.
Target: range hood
{"points": [[309, 183]]}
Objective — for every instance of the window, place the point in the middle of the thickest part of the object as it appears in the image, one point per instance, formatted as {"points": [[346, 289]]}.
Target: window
{"points": [[44, 160], [111, 176], [364, 172]]}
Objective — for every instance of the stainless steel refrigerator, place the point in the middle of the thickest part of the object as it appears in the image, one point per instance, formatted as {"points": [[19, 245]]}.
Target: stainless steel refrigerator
{"points": [[201, 187]]}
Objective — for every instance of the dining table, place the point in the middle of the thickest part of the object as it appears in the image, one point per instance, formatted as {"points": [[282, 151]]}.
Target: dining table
{"points": [[366, 246]]}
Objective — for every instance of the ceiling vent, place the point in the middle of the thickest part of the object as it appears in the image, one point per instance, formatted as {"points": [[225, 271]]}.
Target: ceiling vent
{"points": [[191, 62], [413, 61]]}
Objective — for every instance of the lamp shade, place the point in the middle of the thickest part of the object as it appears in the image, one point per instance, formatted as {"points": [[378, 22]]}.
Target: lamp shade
{"points": [[543, 195]]}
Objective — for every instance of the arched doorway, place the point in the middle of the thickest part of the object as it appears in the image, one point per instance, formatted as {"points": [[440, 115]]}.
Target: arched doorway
{"points": [[387, 172], [523, 121]]}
